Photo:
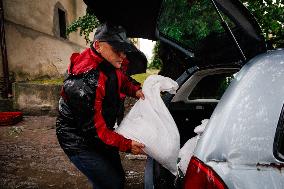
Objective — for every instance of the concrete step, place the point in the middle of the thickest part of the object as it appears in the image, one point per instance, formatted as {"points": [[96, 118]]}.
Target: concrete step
{"points": [[36, 99]]}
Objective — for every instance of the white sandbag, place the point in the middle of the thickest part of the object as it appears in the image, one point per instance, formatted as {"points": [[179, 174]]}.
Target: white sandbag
{"points": [[185, 155], [187, 150], [200, 128], [150, 123]]}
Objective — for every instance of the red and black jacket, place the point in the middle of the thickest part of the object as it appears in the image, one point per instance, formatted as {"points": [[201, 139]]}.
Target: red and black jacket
{"points": [[89, 104]]}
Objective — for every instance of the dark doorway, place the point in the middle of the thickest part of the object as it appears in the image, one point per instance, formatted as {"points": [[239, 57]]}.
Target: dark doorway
{"points": [[62, 23]]}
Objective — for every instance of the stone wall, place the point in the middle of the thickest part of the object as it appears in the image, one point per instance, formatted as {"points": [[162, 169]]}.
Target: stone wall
{"points": [[42, 99], [36, 99]]}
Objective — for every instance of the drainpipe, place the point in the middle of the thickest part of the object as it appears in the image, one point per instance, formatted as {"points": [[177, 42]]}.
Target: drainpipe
{"points": [[4, 53]]}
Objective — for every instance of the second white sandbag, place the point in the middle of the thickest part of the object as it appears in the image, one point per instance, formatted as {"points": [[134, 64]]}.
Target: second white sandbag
{"points": [[187, 150]]}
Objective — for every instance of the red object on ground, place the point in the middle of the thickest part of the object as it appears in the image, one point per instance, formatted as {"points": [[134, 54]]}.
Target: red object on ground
{"points": [[10, 118]]}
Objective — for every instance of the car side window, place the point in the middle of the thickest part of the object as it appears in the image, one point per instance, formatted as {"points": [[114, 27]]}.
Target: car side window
{"points": [[211, 87], [278, 146]]}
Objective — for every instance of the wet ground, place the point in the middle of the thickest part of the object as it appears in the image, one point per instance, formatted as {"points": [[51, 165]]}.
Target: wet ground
{"points": [[30, 157]]}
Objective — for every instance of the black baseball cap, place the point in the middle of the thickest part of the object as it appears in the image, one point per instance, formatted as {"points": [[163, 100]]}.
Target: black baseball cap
{"points": [[115, 36]]}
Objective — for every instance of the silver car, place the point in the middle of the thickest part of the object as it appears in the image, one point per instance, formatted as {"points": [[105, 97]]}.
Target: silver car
{"points": [[242, 146]]}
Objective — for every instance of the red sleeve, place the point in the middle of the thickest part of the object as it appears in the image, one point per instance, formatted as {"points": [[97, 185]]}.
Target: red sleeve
{"points": [[128, 85], [108, 136], [73, 57]]}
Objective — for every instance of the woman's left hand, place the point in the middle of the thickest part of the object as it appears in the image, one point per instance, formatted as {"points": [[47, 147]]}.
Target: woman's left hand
{"points": [[140, 94]]}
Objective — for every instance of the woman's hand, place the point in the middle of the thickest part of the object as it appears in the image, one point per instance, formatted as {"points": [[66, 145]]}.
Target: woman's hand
{"points": [[137, 148], [140, 94]]}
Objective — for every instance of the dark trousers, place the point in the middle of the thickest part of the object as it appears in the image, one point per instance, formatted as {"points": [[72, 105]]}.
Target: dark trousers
{"points": [[103, 168]]}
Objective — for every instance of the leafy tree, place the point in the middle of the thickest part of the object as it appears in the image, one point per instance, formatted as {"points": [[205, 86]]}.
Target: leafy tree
{"points": [[156, 62], [189, 25], [86, 24], [270, 16]]}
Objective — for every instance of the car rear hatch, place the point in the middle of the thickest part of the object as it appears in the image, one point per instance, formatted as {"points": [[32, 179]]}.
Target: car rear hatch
{"points": [[192, 26]]}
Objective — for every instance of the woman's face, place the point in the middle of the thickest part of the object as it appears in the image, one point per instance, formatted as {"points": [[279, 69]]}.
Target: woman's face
{"points": [[109, 53]]}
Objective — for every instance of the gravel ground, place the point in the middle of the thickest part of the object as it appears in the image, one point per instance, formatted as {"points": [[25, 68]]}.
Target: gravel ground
{"points": [[30, 157]]}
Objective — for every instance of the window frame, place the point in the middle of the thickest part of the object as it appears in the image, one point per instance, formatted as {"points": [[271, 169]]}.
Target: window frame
{"points": [[188, 86], [279, 137], [200, 82]]}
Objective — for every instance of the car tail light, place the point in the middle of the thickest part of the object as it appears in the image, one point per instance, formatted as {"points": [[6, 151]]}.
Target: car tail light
{"points": [[199, 175]]}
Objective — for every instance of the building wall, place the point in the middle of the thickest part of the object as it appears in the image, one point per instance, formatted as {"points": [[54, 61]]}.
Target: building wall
{"points": [[34, 46]]}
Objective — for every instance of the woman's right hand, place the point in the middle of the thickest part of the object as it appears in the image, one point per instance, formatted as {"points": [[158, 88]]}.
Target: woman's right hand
{"points": [[137, 148]]}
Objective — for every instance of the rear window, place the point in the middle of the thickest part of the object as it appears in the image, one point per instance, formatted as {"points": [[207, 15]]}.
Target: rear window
{"points": [[189, 22], [278, 147], [211, 87]]}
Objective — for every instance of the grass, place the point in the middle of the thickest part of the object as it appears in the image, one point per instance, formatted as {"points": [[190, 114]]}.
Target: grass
{"points": [[138, 77], [142, 77], [57, 81]]}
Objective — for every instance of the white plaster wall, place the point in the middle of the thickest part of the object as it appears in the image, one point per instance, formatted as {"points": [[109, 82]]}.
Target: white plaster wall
{"points": [[34, 55], [39, 14], [34, 47]]}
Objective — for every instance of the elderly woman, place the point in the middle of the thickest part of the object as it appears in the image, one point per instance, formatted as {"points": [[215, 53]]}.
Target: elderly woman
{"points": [[88, 108]]}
